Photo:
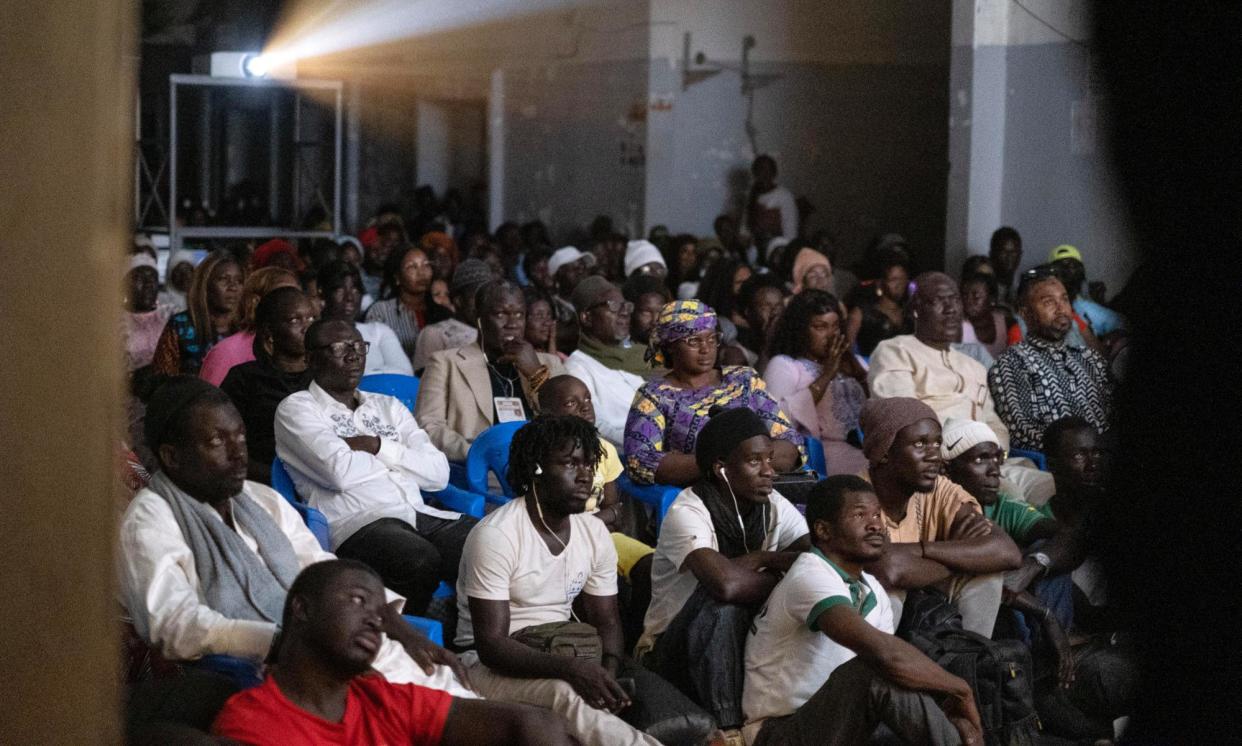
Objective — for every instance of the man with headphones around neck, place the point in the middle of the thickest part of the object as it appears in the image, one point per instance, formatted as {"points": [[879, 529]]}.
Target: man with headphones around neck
{"points": [[528, 565], [466, 390], [723, 545]]}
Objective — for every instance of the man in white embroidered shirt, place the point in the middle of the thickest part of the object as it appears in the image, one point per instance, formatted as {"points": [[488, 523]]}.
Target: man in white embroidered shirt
{"points": [[205, 558], [822, 663], [362, 460]]}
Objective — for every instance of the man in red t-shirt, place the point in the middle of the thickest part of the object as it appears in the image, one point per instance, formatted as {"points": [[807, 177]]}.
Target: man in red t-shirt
{"points": [[322, 689]]}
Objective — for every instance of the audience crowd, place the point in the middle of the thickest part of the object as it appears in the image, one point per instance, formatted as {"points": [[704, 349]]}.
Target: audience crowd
{"points": [[742, 488]]}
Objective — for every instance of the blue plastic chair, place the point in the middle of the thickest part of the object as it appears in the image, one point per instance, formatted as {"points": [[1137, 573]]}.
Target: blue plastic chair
{"points": [[318, 525], [815, 458], [490, 452], [282, 482], [244, 672], [658, 496], [316, 521], [458, 499], [430, 628], [396, 385], [1040, 460]]}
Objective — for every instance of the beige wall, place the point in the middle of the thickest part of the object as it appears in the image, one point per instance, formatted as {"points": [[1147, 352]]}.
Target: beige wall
{"points": [[65, 189]]}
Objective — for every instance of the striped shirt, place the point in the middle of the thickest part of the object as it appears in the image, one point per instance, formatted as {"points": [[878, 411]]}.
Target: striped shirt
{"points": [[399, 319]]}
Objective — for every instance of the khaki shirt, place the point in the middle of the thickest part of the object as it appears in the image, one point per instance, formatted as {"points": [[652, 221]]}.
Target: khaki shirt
{"points": [[929, 515]]}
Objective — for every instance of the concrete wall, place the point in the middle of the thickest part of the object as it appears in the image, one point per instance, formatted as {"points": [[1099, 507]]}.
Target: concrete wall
{"points": [[575, 144], [1024, 137], [575, 120], [855, 113], [572, 92]]}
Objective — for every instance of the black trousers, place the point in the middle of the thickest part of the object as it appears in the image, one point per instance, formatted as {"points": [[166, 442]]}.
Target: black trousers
{"points": [[703, 653], [411, 560]]}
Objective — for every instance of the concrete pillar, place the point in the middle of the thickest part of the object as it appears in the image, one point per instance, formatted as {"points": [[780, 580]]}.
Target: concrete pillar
{"points": [[66, 143], [977, 80]]}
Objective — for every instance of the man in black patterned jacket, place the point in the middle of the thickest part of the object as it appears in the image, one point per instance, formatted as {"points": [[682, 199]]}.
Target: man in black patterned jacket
{"points": [[1044, 378]]}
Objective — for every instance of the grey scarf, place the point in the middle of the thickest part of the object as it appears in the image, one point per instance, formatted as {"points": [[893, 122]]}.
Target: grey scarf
{"points": [[232, 580]]}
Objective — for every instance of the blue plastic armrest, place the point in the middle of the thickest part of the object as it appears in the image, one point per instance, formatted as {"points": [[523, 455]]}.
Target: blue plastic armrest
{"points": [[1040, 460], [444, 590], [658, 496], [245, 672], [460, 500], [432, 629]]}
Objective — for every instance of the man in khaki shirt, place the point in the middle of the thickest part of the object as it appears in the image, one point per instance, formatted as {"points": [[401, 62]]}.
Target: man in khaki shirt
{"points": [[937, 533]]}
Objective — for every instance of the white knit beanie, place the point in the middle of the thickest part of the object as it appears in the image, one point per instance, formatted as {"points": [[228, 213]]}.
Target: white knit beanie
{"points": [[960, 435], [640, 252]]}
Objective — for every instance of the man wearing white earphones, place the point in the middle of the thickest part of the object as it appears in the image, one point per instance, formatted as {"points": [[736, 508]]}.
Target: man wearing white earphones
{"points": [[723, 545], [524, 570]]}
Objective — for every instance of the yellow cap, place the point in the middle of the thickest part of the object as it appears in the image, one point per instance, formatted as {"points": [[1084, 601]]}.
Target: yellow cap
{"points": [[1064, 251]]}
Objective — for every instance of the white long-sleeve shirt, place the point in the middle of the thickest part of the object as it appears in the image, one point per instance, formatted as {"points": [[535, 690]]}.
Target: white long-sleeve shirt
{"points": [[612, 393], [355, 488], [386, 354], [159, 588]]}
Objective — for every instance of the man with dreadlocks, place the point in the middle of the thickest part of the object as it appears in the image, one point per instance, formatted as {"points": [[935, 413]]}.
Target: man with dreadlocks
{"points": [[522, 568], [723, 545]]}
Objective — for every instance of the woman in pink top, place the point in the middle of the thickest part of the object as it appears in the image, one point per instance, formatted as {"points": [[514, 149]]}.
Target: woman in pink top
{"points": [[816, 380], [984, 322], [236, 349]]}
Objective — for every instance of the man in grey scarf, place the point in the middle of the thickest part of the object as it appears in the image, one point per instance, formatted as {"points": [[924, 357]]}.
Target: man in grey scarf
{"points": [[206, 558]]}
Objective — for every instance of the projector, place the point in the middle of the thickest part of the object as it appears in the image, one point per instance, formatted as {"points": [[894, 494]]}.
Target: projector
{"points": [[241, 65]]}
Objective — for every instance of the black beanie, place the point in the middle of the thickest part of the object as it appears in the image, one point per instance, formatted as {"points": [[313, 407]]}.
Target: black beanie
{"points": [[723, 432]]}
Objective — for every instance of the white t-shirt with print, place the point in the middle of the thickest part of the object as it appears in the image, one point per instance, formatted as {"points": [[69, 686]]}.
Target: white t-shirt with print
{"points": [[687, 527], [505, 559], [787, 658]]}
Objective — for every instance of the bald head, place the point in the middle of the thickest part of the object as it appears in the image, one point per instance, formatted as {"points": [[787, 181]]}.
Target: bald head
{"points": [[937, 308]]}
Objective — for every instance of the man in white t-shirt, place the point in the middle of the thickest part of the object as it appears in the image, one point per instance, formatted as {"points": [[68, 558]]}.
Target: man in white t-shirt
{"points": [[723, 545], [822, 663], [525, 564]]}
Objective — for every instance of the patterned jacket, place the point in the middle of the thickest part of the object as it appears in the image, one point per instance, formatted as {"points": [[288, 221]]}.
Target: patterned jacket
{"points": [[1037, 382]]}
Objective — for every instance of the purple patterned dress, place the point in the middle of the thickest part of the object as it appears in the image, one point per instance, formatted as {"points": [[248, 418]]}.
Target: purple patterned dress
{"points": [[666, 419]]}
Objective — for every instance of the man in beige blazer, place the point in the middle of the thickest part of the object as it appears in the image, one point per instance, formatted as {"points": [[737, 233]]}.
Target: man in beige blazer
{"points": [[466, 390]]}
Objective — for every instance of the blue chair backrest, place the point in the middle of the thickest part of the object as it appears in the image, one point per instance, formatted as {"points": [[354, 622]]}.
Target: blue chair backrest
{"points": [[430, 628], [282, 482], [314, 520], [1040, 459], [815, 456], [244, 672], [658, 496], [396, 385], [490, 452]]}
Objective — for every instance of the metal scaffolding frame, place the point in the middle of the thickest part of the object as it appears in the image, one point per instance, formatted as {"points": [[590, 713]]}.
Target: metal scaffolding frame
{"points": [[176, 234]]}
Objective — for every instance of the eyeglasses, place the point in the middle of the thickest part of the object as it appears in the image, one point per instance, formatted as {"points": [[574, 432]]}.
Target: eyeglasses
{"points": [[615, 306], [340, 349], [703, 341]]}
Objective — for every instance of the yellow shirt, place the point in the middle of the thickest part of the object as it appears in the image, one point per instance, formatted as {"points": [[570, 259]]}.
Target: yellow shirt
{"points": [[608, 470]]}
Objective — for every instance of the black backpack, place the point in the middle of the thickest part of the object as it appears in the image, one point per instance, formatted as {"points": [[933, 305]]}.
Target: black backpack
{"points": [[998, 671]]}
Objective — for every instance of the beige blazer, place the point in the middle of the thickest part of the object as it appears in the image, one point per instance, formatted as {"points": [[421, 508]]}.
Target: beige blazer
{"points": [[455, 397]]}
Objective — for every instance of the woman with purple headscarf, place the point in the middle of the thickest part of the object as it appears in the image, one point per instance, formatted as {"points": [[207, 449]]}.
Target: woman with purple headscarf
{"points": [[669, 411]]}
